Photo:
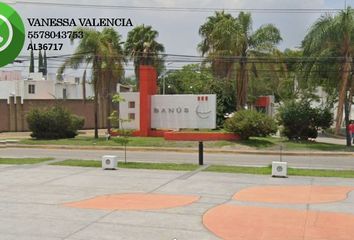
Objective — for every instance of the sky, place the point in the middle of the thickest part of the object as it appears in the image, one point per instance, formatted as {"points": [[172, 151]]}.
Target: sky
{"points": [[178, 30]]}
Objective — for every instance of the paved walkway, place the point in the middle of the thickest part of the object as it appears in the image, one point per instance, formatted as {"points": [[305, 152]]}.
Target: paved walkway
{"points": [[340, 141], [33, 206]]}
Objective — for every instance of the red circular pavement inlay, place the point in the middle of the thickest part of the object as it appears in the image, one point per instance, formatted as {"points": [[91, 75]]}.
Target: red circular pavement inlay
{"points": [[260, 223], [135, 201], [293, 194]]}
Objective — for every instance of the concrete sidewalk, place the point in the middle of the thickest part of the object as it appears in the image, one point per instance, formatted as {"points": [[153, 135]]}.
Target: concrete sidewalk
{"points": [[32, 198]]}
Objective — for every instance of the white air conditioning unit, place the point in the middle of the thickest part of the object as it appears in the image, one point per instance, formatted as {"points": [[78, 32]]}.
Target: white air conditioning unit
{"points": [[279, 169], [109, 162]]}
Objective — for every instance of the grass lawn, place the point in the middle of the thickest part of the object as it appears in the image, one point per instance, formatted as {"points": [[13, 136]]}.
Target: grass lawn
{"points": [[19, 161], [90, 141], [274, 143], [133, 165], [291, 171], [257, 143]]}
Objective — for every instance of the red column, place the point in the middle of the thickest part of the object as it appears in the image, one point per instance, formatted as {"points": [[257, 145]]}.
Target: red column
{"points": [[148, 87]]}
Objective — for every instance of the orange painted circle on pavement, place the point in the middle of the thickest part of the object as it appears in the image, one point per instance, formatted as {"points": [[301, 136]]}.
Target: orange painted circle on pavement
{"points": [[134, 201], [261, 223], [293, 194]]}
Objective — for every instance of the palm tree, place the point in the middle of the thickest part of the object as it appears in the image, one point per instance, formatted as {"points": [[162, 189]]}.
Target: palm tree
{"points": [[141, 47], [232, 40], [331, 37], [113, 70], [220, 34], [103, 52]]}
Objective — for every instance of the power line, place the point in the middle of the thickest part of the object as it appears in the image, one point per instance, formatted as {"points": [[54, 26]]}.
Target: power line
{"points": [[181, 57], [186, 9], [180, 68]]}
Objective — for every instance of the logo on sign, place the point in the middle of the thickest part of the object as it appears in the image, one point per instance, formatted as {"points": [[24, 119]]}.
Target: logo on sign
{"points": [[12, 34], [202, 109]]}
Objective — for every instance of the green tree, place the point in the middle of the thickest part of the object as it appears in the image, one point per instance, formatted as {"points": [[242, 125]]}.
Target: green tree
{"points": [[40, 62], [195, 79], [31, 66], [330, 45], [277, 75], [263, 40], [117, 121], [53, 123], [191, 79], [113, 70], [249, 123], [220, 34], [232, 40], [102, 50], [301, 121], [142, 48], [45, 65]]}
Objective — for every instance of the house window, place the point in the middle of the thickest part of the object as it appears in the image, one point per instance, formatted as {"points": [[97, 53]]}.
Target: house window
{"points": [[131, 104], [131, 116], [77, 80], [64, 94], [31, 89]]}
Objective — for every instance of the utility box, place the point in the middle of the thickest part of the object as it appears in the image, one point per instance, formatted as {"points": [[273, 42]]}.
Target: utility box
{"points": [[109, 162], [279, 169]]}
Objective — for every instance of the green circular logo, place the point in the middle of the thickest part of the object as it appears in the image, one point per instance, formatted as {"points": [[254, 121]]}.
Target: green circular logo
{"points": [[12, 34]]}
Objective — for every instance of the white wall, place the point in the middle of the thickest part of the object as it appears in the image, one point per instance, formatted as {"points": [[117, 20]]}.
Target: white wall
{"points": [[8, 88], [73, 91], [183, 111], [43, 89], [125, 110], [10, 75]]}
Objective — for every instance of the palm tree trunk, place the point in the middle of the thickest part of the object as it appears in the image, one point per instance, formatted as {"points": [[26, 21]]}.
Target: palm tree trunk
{"points": [[342, 92], [242, 82], [96, 115], [96, 75], [108, 101], [84, 87]]}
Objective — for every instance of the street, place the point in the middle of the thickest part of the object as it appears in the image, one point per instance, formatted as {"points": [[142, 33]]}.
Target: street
{"points": [[304, 161]]}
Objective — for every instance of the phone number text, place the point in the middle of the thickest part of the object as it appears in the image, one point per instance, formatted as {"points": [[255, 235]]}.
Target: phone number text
{"points": [[55, 34]]}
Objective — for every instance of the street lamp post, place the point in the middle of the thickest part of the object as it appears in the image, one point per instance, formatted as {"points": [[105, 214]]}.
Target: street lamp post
{"points": [[163, 74], [163, 85]]}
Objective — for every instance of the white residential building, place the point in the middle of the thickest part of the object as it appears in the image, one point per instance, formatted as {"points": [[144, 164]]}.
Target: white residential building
{"points": [[322, 101], [36, 86]]}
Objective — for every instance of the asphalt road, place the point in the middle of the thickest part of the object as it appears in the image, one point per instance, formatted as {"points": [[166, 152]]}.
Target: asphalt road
{"points": [[323, 162]]}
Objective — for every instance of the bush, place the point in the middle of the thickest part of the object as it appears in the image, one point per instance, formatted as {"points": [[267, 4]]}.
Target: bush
{"points": [[301, 121], [53, 123], [249, 123]]}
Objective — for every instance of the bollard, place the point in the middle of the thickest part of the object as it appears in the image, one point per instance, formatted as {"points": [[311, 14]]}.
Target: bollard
{"points": [[201, 160]]}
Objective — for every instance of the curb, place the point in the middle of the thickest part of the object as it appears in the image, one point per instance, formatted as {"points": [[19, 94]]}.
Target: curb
{"points": [[184, 150]]}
